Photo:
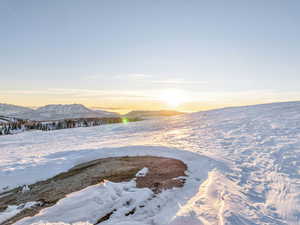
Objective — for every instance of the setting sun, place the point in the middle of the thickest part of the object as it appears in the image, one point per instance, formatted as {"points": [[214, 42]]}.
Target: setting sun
{"points": [[173, 98]]}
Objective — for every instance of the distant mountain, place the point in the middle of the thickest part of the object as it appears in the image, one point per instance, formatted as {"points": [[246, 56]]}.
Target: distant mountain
{"points": [[4, 119], [8, 119], [13, 110], [54, 112], [148, 114], [107, 114]]}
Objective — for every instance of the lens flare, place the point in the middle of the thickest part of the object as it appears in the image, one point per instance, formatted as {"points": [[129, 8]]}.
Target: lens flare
{"points": [[125, 120]]}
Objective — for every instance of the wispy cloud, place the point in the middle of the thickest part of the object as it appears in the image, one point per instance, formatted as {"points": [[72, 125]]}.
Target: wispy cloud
{"points": [[143, 77], [180, 82], [140, 76], [81, 93], [135, 76]]}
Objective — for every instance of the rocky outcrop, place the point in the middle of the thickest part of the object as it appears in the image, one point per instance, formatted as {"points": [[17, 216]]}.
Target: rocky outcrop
{"points": [[163, 173]]}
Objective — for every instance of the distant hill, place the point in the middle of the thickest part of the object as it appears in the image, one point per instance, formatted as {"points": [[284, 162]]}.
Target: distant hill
{"points": [[107, 113], [149, 114], [5, 119], [53, 112], [13, 110]]}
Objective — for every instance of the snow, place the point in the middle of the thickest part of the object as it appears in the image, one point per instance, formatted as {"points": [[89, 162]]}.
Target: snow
{"points": [[3, 121], [13, 210], [53, 112], [142, 173], [85, 223], [11, 110], [56, 112], [25, 188], [95, 202], [243, 164]]}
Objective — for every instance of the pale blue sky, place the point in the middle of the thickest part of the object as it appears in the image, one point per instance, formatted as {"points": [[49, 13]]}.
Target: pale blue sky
{"points": [[134, 48]]}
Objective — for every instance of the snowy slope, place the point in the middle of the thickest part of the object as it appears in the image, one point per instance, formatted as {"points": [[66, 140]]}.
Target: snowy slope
{"points": [[5, 119], [244, 164], [54, 112], [12, 110]]}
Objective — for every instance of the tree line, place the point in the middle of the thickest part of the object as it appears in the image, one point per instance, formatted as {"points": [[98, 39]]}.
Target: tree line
{"points": [[18, 125]]}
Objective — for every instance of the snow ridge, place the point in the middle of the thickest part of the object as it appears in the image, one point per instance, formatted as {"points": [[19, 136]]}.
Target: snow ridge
{"points": [[54, 112], [12, 110]]}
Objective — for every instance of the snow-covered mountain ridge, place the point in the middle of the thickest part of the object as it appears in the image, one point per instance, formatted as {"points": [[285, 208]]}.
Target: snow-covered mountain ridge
{"points": [[53, 112], [12, 110]]}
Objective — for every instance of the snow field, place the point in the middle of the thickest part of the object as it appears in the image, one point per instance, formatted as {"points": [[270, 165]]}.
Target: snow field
{"points": [[243, 163]]}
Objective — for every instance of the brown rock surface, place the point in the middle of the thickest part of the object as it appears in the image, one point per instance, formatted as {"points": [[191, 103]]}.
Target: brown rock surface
{"points": [[162, 175]]}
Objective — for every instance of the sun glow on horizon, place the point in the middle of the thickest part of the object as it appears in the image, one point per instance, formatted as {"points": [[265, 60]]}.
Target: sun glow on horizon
{"points": [[173, 98]]}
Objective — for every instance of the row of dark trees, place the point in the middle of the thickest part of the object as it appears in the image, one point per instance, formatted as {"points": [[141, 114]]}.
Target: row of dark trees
{"points": [[22, 125], [11, 125], [9, 128]]}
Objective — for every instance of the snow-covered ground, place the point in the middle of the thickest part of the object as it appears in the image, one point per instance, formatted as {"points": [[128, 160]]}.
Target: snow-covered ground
{"points": [[243, 166]]}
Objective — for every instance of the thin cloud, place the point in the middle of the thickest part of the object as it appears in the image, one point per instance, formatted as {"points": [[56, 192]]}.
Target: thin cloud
{"points": [[93, 77], [81, 93], [179, 82], [140, 76]]}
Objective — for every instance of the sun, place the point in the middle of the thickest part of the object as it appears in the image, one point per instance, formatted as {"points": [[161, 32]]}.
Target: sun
{"points": [[173, 98]]}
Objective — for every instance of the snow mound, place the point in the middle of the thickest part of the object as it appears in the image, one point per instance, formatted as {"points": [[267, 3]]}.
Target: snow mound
{"points": [[95, 202]]}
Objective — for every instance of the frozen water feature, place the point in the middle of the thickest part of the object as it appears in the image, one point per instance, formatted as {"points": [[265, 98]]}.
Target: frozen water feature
{"points": [[250, 157]]}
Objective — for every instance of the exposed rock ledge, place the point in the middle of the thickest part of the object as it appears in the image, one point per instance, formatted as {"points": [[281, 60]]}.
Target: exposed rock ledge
{"points": [[160, 176]]}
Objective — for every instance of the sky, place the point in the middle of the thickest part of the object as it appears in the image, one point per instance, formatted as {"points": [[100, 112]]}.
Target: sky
{"points": [[171, 54]]}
